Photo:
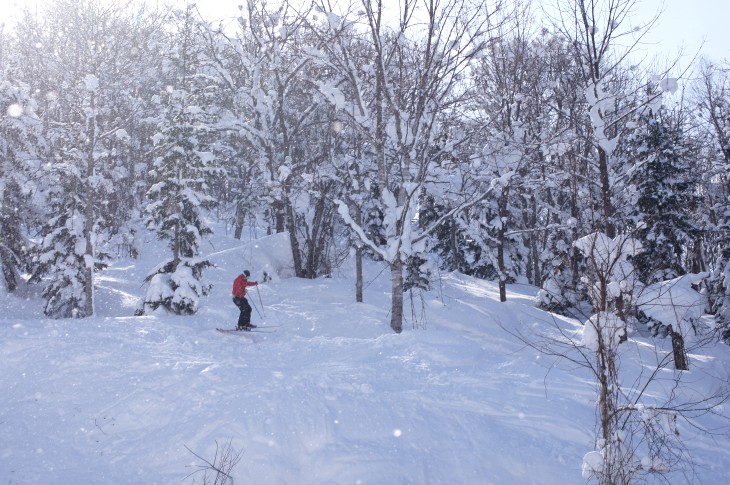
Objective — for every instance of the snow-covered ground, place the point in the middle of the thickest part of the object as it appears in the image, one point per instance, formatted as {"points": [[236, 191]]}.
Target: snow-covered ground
{"points": [[330, 396]]}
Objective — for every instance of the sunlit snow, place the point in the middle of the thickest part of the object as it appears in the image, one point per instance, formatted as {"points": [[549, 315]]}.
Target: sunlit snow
{"points": [[15, 110], [329, 395]]}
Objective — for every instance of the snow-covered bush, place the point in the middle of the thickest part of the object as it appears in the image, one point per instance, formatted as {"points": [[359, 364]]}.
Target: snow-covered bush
{"points": [[556, 294], [176, 286], [603, 328]]}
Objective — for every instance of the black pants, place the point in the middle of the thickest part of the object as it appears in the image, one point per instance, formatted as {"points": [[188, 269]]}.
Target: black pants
{"points": [[244, 318]]}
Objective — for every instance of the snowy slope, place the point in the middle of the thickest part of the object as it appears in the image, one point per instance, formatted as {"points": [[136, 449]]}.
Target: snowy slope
{"points": [[331, 396]]}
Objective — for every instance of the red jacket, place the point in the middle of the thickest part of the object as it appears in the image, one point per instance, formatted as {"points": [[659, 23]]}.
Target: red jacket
{"points": [[239, 286]]}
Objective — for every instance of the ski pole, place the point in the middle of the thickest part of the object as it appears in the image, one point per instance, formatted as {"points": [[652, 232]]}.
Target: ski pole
{"points": [[261, 301], [253, 304]]}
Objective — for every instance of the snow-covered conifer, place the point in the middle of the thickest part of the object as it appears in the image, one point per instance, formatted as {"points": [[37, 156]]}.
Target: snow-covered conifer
{"points": [[20, 142], [663, 200], [82, 58], [181, 171]]}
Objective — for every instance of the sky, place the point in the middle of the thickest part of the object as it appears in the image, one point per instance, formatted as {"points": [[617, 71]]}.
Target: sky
{"points": [[690, 25], [686, 26]]}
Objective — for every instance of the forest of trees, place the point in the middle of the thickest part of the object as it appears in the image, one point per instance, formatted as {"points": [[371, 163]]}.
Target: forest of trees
{"points": [[492, 138], [440, 135]]}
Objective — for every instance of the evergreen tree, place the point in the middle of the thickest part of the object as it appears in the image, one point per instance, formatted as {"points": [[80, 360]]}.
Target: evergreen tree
{"points": [[459, 242], [663, 200], [182, 168], [82, 58], [20, 140], [62, 252]]}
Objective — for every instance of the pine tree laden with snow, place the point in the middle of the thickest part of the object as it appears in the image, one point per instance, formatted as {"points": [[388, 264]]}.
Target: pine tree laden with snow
{"points": [[179, 197], [663, 199], [20, 142], [82, 59], [62, 254]]}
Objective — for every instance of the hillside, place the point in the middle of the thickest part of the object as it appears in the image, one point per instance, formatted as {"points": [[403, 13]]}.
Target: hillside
{"points": [[329, 396]]}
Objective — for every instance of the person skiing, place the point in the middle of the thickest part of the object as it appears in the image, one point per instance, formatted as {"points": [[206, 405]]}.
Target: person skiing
{"points": [[239, 299]]}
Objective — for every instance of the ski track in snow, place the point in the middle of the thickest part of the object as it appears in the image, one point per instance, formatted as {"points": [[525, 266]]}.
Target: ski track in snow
{"points": [[332, 396]]}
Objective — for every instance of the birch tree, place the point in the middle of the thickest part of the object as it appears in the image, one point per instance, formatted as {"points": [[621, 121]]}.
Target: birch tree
{"points": [[282, 124], [419, 57], [602, 33]]}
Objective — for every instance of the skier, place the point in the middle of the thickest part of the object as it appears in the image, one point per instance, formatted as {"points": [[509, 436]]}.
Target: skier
{"points": [[239, 299]]}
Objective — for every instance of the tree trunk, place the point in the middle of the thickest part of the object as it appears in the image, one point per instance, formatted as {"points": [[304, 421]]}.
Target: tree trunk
{"points": [[315, 245], [279, 216], [611, 473], [358, 274], [502, 274], [396, 310], [574, 213], [606, 193], [697, 257], [358, 259], [296, 253], [501, 242], [240, 218], [680, 355], [537, 278], [89, 210], [89, 253]]}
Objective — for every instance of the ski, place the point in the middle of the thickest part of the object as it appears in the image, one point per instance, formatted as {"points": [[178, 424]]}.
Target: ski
{"points": [[234, 330]]}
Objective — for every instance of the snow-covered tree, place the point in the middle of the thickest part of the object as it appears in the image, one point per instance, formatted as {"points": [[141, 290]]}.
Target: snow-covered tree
{"points": [[559, 191], [638, 434], [617, 457], [182, 168], [282, 129], [712, 95], [20, 142], [75, 54], [602, 35], [664, 201], [508, 114], [238, 61], [397, 101]]}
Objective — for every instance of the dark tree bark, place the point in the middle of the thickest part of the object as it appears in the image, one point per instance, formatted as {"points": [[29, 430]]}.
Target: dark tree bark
{"points": [[680, 354]]}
